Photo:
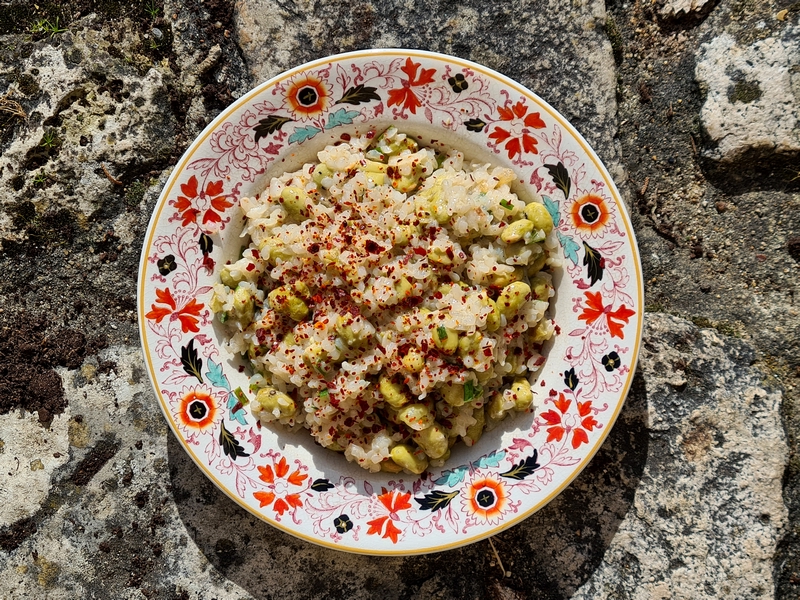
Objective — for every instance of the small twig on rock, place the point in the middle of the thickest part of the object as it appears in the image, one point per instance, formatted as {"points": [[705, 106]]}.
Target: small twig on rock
{"points": [[643, 191], [110, 178], [12, 107], [499, 562], [694, 146]]}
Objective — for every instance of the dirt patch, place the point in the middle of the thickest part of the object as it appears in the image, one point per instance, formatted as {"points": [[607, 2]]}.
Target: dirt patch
{"points": [[28, 353]]}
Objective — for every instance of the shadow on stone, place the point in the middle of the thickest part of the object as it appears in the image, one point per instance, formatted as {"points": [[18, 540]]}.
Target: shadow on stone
{"points": [[755, 170], [549, 555]]}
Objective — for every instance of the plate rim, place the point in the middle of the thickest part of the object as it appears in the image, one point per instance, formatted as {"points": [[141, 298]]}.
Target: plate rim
{"points": [[635, 260]]}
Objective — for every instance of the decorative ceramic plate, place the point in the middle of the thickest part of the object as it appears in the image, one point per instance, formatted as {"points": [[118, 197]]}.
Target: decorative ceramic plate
{"points": [[284, 478]]}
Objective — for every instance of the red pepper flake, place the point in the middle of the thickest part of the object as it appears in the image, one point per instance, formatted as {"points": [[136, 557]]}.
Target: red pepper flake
{"points": [[539, 362], [241, 368], [487, 351], [450, 253], [346, 137], [373, 247], [552, 392], [250, 266], [557, 329], [542, 383], [313, 248], [438, 295], [420, 251]]}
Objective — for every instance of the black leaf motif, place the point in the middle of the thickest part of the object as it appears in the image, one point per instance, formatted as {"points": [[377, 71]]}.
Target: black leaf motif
{"points": [[571, 379], [594, 263], [191, 362], [270, 125], [321, 485], [560, 177], [359, 94], [523, 468], [206, 243], [230, 445], [475, 125], [435, 500]]}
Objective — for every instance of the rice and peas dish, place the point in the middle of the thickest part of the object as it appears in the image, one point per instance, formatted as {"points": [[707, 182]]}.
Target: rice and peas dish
{"points": [[392, 300]]}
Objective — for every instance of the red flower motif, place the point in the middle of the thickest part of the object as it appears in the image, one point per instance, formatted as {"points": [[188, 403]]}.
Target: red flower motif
{"points": [[278, 484], [517, 138], [405, 96], [188, 314], [558, 428], [595, 309], [393, 502], [210, 203]]}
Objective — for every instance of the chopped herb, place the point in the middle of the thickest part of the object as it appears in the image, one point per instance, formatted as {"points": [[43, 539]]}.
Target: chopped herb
{"points": [[506, 204], [471, 391], [254, 388], [223, 316], [534, 237], [241, 397], [441, 331], [324, 393]]}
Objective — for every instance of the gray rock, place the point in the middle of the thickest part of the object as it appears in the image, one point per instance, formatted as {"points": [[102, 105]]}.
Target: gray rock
{"points": [[91, 119], [708, 513], [677, 9], [752, 95]]}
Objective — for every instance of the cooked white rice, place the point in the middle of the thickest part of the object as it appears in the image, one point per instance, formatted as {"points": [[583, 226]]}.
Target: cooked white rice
{"points": [[365, 301]]}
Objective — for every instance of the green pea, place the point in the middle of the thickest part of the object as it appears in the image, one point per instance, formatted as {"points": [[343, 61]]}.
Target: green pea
{"points": [[269, 400], [406, 457], [475, 430], [417, 416], [513, 297], [515, 231], [392, 392], [433, 440], [523, 395], [445, 339], [540, 217]]}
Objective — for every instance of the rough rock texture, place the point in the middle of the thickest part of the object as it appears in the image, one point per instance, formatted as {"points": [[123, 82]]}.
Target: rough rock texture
{"points": [[752, 95], [687, 498], [707, 511]]}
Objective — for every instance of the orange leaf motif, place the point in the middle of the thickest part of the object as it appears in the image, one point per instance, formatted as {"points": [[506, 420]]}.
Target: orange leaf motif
{"points": [[579, 437], [264, 498]]}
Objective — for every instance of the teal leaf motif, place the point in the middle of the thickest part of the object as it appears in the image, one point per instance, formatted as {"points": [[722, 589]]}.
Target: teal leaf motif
{"points": [[552, 208], [301, 134], [341, 117], [236, 410], [490, 460], [570, 246], [452, 478], [216, 377]]}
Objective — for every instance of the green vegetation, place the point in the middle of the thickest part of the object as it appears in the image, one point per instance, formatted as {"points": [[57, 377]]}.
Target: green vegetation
{"points": [[151, 9], [49, 140], [46, 27]]}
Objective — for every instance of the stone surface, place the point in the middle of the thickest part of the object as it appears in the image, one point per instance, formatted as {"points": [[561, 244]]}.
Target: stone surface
{"points": [[752, 95], [688, 497], [708, 513]]}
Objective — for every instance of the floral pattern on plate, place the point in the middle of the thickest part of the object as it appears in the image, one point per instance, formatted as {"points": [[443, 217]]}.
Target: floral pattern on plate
{"points": [[314, 493]]}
